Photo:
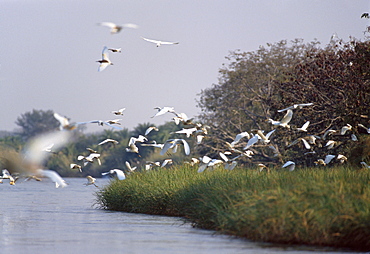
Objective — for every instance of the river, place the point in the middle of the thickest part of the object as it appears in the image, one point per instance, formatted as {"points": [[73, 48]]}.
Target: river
{"points": [[36, 217]]}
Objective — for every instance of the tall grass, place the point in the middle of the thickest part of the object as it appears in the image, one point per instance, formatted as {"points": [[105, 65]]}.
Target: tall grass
{"points": [[328, 207]]}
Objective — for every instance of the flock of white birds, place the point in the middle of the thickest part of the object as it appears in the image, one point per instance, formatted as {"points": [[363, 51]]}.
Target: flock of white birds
{"points": [[38, 149], [114, 29]]}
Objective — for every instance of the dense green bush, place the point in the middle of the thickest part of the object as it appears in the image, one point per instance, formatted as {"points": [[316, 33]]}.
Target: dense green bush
{"points": [[309, 206]]}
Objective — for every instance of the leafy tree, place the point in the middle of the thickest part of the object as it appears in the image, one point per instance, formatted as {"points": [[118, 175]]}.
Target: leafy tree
{"points": [[257, 84], [36, 122]]}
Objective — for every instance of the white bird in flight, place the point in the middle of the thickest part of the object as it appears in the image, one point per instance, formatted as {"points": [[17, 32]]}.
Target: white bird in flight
{"points": [[283, 122], [115, 50], [114, 28], [173, 143], [164, 110], [104, 62], [108, 141], [364, 127], [90, 181], [149, 129], [304, 127], [119, 112], [238, 137], [117, 172], [296, 106], [159, 43], [129, 168], [290, 165]]}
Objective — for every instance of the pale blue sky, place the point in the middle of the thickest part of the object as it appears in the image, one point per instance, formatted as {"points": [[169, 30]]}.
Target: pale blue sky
{"points": [[49, 49]]}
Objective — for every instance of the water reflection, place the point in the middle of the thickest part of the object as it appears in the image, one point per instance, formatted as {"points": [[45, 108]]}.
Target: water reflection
{"points": [[38, 218]]}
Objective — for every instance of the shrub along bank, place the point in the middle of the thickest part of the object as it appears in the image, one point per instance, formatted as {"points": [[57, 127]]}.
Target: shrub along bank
{"points": [[315, 206]]}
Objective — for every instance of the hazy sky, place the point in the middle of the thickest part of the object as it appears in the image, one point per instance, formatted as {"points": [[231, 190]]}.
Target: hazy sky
{"points": [[49, 49]]}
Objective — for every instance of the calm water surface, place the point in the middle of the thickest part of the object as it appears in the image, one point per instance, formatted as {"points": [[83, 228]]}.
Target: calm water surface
{"points": [[35, 217]]}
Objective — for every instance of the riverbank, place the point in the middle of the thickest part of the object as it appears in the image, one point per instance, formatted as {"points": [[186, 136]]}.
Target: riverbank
{"points": [[318, 206]]}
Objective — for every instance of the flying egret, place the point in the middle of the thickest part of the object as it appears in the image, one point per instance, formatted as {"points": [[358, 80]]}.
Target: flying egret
{"points": [[159, 43], [54, 176], [129, 168], [193, 161], [345, 128], [109, 123], [206, 161], [75, 166], [164, 110], [132, 148], [114, 28], [108, 141], [140, 139], [150, 164], [331, 143], [252, 141], [265, 138], [290, 165], [320, 162], [150, 129], [230, 165], [341, 158], [173, 143], [117, 172], [328, 132], [115, 50], [305, 143], [296, 106], [304, 127], [200, 139], [363, 126], [166, 162], [104, 62], [188, 131], [328, 158], [238, 137], [64, 123], [181, 117], [261, 167], [90, 158], [90, 181], [119, 112], [284, 121]]}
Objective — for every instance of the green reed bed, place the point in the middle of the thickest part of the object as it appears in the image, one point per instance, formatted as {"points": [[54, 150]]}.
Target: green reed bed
{"points": [[327, 207]]}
